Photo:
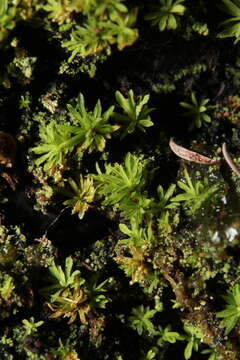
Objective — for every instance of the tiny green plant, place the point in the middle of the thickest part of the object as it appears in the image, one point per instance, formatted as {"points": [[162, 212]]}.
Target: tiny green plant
{"points": [[194, 336], [110, 23], [81, 195], [62, 279], [197, 110], [166, 14], [87, 40], [90, 131], [119, 29], [7, 287], [231, 26], [94, 125], [57, 142], [31, 327], [137, 235], [121, 182], [135, 113], [60, 11], [141, 319], [8, 18], [167, 335], [231, 314], [196, 193]]}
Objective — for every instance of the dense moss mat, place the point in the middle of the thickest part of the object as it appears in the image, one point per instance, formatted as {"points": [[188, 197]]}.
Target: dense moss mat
{"points": [[115, 244]]}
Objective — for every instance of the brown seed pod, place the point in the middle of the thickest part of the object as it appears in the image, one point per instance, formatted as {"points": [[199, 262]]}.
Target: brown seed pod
{"points": [[229, 160], [191, 155]]}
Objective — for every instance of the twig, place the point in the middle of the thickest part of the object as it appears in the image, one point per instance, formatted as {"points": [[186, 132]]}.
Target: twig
{"points": [[191, 155], [229, 160]]}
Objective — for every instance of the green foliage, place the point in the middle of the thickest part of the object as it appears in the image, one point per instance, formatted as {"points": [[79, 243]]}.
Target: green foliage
{"points": [[109, 23], [197, 110], [31, 327], [65, 351], [87, 40], [231, 314], [97, 293], [232, 25], [194, 337], [120, 183], [141, 319], [211, 352], [167, 335], [166, 14], [135, 114], [7, 287], [195, 193], [71, 295], [134, 261], [81, 300], [58, 142], [62, 279], [8, 17], [94, 125], [90, 131], [81, 196], [60, 11]]}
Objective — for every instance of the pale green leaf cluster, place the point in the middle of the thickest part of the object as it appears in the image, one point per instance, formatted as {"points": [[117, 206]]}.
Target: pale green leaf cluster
{"points": [[90, 131], [62, 279], [231, 314], [81, 195], [8, 18], [166, 14], [31, 327], [167, 335], [135, 113], [7, 287], [196, 193], [58, 141], [137, 235], [60, 11], [141, 319], [108, 22], [119, 183], [197, 110], [231, 26], [194, 337], [94, 125]]}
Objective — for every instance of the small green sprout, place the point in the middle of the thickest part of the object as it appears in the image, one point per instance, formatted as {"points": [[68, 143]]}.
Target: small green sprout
{"points": [[63, 279], [137, 235], [135, 114], [197, 110], [121, 182], [87, 40], [232, 25], [7, 288], [195, 193], [94, 125], [31, 327], [231, 314], [58, 141], [166, 14], [119, 29], [8, 19], [110, 7], [141, 319], [61, 11], [167, 335], [81, 196], [194, 337]]}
